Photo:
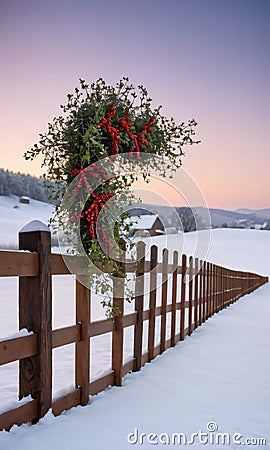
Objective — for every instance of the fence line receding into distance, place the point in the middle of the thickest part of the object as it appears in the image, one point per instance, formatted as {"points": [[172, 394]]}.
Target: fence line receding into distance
{"points": [[183, 307]]}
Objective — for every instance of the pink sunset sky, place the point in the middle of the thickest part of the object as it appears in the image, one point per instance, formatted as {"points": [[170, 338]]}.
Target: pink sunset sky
{"points": [[202, 59]]}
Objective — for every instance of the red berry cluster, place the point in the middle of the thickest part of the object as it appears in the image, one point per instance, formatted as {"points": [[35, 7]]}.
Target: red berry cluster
{"points": [[98, 201], [112, 131], [125, 125], [94, 170]]}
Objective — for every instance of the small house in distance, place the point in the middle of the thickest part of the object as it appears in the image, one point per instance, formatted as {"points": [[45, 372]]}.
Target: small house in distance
{"points": [[24, 199], [146, 225]]}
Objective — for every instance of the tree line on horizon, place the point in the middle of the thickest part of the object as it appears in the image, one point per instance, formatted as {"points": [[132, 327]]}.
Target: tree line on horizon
{"points": [[20, 184], [38, 188]]}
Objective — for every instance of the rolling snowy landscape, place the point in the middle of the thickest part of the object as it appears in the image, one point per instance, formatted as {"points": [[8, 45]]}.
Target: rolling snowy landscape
{"points": [[149, 122], [216, 380]]}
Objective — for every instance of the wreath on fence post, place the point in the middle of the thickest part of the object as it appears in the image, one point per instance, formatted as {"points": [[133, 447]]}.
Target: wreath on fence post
{"points": [[102, 121]]}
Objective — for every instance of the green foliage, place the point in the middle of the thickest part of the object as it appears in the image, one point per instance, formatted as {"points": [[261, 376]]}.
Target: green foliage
{"points": [[79, 138], [75, 138]]}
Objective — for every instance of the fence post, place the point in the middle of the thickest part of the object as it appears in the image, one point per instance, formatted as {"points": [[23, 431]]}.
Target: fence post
{"points": [[208, 291], [212, 290], [82, 348], [174, 296], [183, 298], [164, 296], [227, 287], [242, 284], [118, 332], [227, 296], [232, 285], [152, 302], [201, 292], [222, 279], [219, 287], [204, 291], [35, 314], [196, 285], [229, 291], [190, 295], [139, 297], [216, 288]]}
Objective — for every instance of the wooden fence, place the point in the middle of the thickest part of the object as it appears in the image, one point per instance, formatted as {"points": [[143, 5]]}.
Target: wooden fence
{"points": [[209, 289]]}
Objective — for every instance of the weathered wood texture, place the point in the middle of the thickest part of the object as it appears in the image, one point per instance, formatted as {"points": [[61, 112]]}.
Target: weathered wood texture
{"points": [[35, 314], [17, 416], [18, 348], [16, 263], [197, 290], [139, 299], [164, 299], [82, 351], [174, 298], [152, 302], [183, 298], [118, 330]]}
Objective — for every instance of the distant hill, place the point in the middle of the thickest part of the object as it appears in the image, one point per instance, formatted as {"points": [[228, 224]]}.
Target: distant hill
{"points": [[263, 213], [219, 217]]}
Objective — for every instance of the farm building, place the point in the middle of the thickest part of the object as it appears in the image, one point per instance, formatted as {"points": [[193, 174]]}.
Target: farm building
{"points": [[24, 199], [146, 224]]}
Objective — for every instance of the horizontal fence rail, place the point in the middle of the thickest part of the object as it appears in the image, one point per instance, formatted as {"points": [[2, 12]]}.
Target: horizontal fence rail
{"points": [[191, 292]]}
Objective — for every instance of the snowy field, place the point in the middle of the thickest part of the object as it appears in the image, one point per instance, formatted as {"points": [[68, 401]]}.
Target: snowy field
{"points": [[219, 374], [14, 215]]}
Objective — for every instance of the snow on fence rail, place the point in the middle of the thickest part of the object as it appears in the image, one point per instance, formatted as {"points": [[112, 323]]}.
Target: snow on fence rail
{"points": [[209, 289]]}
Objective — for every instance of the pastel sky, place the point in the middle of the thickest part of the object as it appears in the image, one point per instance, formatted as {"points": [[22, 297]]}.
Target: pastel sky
{"points": [[207, 59]]}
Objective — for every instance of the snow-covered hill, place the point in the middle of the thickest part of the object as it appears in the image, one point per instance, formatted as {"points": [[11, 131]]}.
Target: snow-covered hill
{"points": [[14, 215], [219, 374]]}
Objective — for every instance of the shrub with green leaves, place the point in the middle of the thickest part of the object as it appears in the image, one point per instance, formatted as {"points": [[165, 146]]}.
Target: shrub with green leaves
{"points": [[99, 121]]}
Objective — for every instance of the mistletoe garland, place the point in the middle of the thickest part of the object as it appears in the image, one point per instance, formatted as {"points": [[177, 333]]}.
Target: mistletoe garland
{"points": [[100, 121], [98, 201]]}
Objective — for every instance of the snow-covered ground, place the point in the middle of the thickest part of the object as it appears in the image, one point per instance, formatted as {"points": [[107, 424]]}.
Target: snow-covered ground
{"points": [[14, 215], [219, 374]]}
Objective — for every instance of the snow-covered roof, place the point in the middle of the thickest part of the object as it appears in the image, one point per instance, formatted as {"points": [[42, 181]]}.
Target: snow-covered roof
{"points": [[144, 222]]}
